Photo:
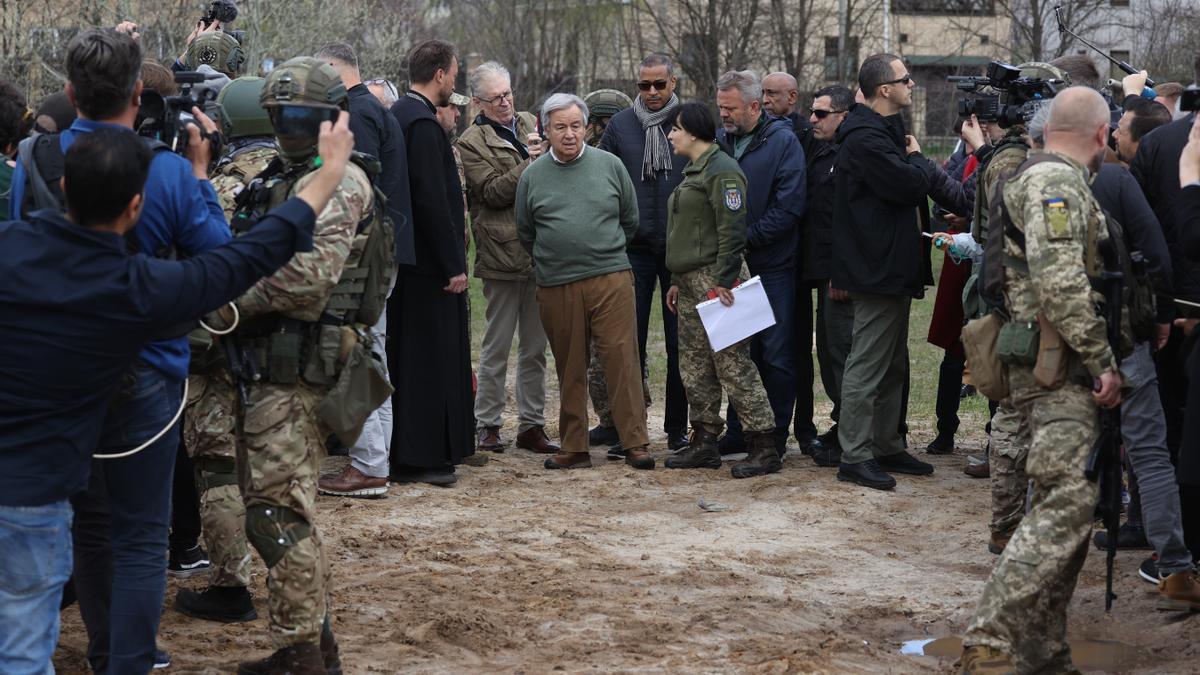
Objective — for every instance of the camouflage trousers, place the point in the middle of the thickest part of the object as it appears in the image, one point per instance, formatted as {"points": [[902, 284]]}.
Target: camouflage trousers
{"points": [[598, 387], [279, 460], [706, 373], [1023, 610], [1009, 448], [210, 433]]}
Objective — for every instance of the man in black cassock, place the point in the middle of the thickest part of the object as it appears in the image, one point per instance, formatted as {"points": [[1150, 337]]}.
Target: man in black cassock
{"points": [[429, 353]]}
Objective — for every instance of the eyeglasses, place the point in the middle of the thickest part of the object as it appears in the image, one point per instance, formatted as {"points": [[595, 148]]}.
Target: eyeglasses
{"points": [[495, 99], [822, 114], [904, 80], [387, 87], [660, 85]]}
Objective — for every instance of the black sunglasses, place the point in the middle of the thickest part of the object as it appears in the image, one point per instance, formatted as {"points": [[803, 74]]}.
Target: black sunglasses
{"points": [[904, 80], [822, 114], [660, 85]]}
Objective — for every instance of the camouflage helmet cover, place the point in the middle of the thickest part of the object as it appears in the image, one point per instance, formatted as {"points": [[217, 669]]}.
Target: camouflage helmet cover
{"points": [[246, 115], [304, 81], [607, 102], [219, 50]]}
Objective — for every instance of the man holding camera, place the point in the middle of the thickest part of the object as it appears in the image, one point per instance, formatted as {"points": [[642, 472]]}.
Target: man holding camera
{"points": [[123, 570]]}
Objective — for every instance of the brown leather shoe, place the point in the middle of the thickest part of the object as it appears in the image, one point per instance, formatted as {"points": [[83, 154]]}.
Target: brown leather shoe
{"points": [[352, 483], [534, 439], [489, 440], [569, 460], [1180, 592], [639, 458]]}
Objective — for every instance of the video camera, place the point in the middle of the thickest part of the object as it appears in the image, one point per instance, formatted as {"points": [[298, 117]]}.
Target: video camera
{"points": [[1014, 102], [226, 12], [167, 118], [1189, 100]]}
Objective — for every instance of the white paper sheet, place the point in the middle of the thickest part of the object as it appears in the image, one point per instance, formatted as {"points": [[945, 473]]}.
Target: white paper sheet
{"points": [[751, 312]]}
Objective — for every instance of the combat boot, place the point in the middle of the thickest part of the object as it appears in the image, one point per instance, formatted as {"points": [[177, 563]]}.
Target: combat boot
{"points": [[227, 604], [1180, 592], [763, 458], [700, 453], [329, 649], [302, 659], [983, 660], [998, 541]]}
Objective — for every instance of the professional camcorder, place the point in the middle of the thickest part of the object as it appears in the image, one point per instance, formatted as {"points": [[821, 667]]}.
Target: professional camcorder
{"points": [[167, 118], [1189, 100], [226, 12], [1012, 98]]}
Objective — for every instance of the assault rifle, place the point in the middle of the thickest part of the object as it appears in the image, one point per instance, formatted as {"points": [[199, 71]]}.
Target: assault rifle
{"points": [[242, 369], [1104, 463]]}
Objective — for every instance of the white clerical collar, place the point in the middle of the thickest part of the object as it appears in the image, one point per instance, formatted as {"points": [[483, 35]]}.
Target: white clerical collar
{"points": [[573, 159]]}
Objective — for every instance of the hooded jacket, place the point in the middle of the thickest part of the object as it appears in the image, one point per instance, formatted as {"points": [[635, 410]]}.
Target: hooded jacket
{"points": [[776, 190], [877, 245]]}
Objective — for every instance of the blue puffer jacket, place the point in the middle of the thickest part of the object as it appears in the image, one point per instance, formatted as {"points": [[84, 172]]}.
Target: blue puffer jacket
{"points": [[625, 138], [774, 165]]}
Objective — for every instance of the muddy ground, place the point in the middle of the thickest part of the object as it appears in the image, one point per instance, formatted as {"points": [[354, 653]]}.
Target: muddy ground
{"points": [[521, 570]]}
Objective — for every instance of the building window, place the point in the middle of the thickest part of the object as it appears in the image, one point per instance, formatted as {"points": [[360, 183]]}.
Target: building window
{"points": [[1118, 55], [984, 39], [1118, 3], [959, 7], [849, 59], [904, 38]]}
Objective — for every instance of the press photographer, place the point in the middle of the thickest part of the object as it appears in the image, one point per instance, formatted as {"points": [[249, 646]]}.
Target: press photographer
{"points": [[181, 217]]}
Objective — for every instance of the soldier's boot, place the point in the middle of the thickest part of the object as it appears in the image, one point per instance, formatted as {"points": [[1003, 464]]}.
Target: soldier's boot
{"points": [[1180, 592], [983, 660], [700, 453], [763, 458], [998, 541], [227, 604], [300, 659], [329, 649]]}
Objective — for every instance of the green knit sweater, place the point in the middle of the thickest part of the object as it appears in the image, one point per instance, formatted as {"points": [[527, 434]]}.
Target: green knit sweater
{"points": [[576, 218]]}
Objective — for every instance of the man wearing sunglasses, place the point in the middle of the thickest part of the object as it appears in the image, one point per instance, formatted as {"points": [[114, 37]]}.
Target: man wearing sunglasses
{"points": [[638, 136], [880, 180]]}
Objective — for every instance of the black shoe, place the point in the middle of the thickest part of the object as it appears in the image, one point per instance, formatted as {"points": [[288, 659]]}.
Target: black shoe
{"points": [[602, 435], [828, 455], [329, 649], [335, 447], [966, 392], [1130, 536], [161, 660], [1149, 570], [942, 445], [829, 437], [866, 474], [188, 562], [902, 462], [677, 440], [731, 444], [808, 444], [616, 452], [439, 477], [227, 604]]}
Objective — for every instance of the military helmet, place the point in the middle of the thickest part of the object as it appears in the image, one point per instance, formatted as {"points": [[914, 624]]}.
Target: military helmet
{"points": [[606, 102], [219, 50], [246, 115], [304, 81]]}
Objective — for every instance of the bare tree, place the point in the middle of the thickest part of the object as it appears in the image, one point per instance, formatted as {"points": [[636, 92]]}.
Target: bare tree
{"points": [[1169, 39], [708, 37], [1035, 29]]}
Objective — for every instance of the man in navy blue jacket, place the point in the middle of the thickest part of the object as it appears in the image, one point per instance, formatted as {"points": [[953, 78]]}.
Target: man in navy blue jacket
{"points": [[75, 310], [774, 164]]}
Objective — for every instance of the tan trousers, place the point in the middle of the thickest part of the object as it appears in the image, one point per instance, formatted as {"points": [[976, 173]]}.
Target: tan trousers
{"points": [[601, 309]]}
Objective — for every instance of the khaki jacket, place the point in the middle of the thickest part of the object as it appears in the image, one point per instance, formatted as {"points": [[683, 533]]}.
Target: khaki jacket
{"points": [[493, 168]]}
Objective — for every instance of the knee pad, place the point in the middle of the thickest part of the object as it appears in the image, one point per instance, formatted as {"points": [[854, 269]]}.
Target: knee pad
{"points": [[273, 531]]}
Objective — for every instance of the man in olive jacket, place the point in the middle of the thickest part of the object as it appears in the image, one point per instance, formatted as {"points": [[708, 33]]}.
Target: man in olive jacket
{"points": [[494, 154]]}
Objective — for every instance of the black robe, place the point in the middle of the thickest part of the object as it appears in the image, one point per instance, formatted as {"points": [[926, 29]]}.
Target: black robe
{"points": [[429, 353]]}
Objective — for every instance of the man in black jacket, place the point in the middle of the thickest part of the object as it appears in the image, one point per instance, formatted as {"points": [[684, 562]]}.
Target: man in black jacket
{"points": [[881, 179], [431, 362]]}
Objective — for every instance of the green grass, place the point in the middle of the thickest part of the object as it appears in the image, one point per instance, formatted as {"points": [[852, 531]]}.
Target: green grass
{"points": [[924, 359]]}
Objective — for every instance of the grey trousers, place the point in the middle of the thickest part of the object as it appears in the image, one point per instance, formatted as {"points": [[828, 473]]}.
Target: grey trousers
{"points": [[511, 308], [873, 382], [1145, 434], [835, 334], [372, 449]]}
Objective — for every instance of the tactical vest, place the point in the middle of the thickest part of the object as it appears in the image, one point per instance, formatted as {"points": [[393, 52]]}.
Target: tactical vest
{"points": [[289, 347], [989, 276]]}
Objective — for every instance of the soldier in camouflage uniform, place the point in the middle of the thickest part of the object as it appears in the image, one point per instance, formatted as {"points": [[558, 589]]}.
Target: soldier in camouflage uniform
{"points": [[288, 318], [1009, 438], [1022, 614], [706, 237], [210, 423]]}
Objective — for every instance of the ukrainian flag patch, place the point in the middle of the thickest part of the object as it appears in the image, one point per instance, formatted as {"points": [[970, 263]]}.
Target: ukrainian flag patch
{"points": [[1058, 221]]}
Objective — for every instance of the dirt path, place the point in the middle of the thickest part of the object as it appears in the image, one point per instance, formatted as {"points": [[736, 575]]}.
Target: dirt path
{"points": [[520, 570]]}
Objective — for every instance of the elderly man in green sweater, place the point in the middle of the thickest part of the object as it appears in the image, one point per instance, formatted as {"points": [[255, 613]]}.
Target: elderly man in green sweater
{"points": [[576, 210]]}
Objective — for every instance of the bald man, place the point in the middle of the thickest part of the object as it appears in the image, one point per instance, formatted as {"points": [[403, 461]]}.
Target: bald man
{"points": [[1021, 618]]}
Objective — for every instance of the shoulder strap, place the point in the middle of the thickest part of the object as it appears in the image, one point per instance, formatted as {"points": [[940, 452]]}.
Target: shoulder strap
{"points": [[44, 163]]}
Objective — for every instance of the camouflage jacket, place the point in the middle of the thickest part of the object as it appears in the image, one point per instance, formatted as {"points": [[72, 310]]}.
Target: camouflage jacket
{"points": [[1003, 163], [1063, 225], [301, 289], [232, 176]]}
